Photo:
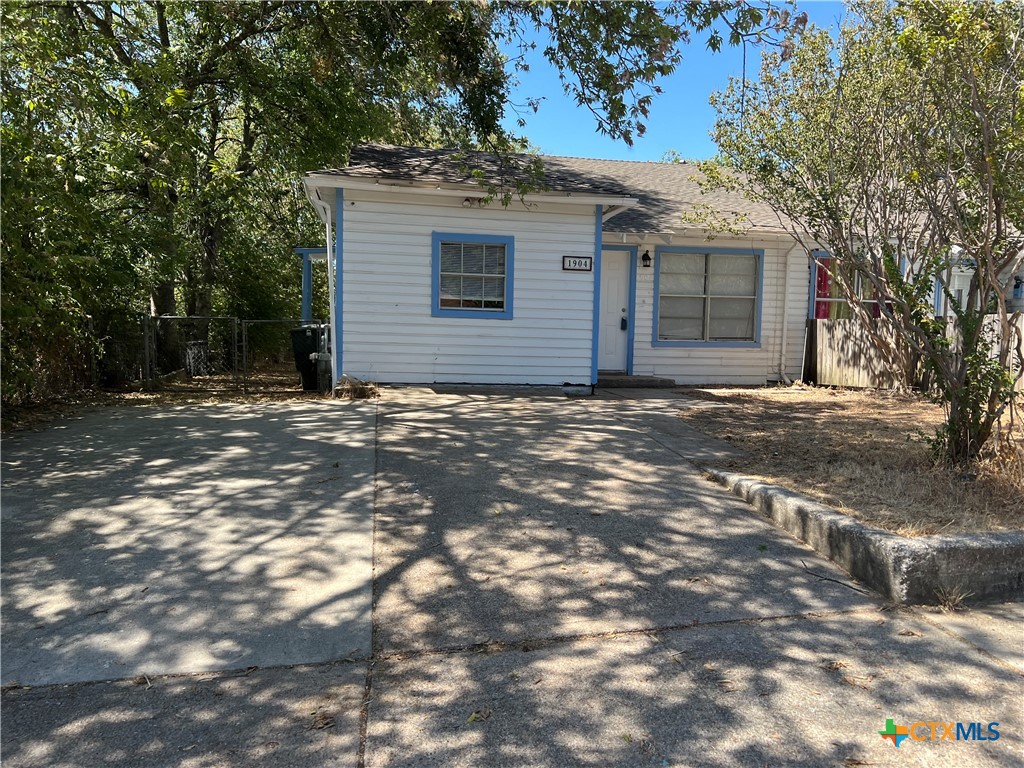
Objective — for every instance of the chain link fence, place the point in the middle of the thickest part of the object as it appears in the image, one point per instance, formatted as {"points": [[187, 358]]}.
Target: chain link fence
{"points": [[122, 354], [213, 353]]}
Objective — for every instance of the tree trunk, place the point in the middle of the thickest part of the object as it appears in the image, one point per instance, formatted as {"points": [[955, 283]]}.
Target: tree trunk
{"points": [[202, 293], [168, 348]]}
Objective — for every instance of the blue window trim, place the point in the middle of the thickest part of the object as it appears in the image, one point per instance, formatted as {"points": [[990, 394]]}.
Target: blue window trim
{"points": [[632, 250], [436, 310], [755, 344]]}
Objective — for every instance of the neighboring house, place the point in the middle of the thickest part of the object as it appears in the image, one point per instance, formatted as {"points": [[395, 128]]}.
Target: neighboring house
{"points": [[959, 279], [599, 272]]}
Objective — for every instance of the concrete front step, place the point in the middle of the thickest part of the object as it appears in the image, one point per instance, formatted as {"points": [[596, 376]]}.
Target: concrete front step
{"points": [[622, 381]]}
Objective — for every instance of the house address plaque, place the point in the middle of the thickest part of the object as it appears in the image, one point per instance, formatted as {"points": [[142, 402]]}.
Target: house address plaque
{"points": [[577, 263]]}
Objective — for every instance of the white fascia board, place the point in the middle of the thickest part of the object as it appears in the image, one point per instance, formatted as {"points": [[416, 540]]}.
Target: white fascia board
{"points": [[614, 210], [405, 187]]}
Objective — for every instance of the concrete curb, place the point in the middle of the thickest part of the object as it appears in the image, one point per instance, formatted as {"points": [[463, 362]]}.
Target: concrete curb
{"points": [[922, 570]]}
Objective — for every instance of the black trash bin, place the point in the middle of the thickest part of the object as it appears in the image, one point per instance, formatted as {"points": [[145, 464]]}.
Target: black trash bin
{"points": [[305, 342]]}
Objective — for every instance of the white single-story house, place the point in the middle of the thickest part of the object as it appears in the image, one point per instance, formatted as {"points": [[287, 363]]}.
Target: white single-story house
{"points": [[599, 272], [436, 281]]}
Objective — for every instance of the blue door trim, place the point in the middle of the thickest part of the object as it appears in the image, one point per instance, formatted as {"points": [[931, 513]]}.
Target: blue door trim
{"points": [[596, 321]]}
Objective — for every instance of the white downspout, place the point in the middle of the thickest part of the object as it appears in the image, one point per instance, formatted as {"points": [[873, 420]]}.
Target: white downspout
{"points": [[334, 309], [324, 210]]}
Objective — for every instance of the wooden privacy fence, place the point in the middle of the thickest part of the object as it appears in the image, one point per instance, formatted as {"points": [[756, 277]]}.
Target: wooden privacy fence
{"points": [[842, 353]]}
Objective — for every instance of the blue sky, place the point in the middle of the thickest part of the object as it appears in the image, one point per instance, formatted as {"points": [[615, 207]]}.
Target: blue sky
{"points": [[680, 117]]}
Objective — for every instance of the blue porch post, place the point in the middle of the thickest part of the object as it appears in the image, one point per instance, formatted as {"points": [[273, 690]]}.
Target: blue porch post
{"points": [[307, 279], [307, 288]]}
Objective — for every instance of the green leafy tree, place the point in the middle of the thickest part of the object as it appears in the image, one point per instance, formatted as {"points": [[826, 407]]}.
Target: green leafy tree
{"points": [[152, 149], [902, 143]]}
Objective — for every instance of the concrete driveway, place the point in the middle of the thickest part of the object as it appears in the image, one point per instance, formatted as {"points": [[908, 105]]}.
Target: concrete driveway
{"points": [[152, 541], [554, 583]]}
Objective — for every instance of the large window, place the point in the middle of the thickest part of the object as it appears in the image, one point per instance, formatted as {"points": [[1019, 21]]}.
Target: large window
{"points": [[472, 276], [707, 297]]}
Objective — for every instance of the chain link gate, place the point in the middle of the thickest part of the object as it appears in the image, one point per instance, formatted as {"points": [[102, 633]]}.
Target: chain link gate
{"points": [[191, 352]]}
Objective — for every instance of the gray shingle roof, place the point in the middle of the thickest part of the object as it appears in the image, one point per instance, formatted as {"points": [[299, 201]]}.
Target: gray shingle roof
{"points": [[665, 190]]}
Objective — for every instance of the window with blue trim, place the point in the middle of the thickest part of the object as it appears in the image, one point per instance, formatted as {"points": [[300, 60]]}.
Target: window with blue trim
{"points": [[472, 275], [707, 296]]}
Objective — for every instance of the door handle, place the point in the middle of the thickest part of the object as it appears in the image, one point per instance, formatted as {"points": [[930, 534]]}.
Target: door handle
{"points": [[623, 324]]}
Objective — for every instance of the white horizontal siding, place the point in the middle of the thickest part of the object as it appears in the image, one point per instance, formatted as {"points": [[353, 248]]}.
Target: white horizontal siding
{"points": [[799, 288], [389, 332], [731, 365]]}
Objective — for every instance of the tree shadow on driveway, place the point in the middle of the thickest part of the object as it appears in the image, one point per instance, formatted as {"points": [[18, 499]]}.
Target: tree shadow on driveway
{"points": [[185, 539], [556, 585]]}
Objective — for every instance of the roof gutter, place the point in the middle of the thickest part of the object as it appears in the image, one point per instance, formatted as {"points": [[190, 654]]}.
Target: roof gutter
{"points": [[666, 236], [473, 191]]}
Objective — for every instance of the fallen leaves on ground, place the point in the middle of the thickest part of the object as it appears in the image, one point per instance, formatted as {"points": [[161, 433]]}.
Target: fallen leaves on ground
{"points": [[321, 720]]}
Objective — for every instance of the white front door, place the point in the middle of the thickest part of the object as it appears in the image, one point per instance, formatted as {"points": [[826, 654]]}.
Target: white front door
{"points": [[613, 337]]}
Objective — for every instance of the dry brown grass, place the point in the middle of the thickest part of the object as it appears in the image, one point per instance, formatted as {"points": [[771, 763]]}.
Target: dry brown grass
{"points": [[867, 454], [351, 388]]}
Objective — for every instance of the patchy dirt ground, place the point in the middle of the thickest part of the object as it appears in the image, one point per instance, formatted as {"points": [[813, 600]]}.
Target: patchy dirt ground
{"points": [[865, 453], [272, 383], [267, 386]]}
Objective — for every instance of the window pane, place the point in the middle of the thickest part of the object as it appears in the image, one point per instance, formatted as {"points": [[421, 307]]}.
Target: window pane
{"points": [[494, 260], [472, 288], [681, 273], [832, 310], [451, 291], [472, 258], [451, 286], [731, 320], [680, 319], [730, 275], [451, 257], [494, 288], [866, 289], [823, 280]]}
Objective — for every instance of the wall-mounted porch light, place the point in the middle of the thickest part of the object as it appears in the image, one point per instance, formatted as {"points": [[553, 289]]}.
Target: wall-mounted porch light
{"points": [[646, 259]]}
